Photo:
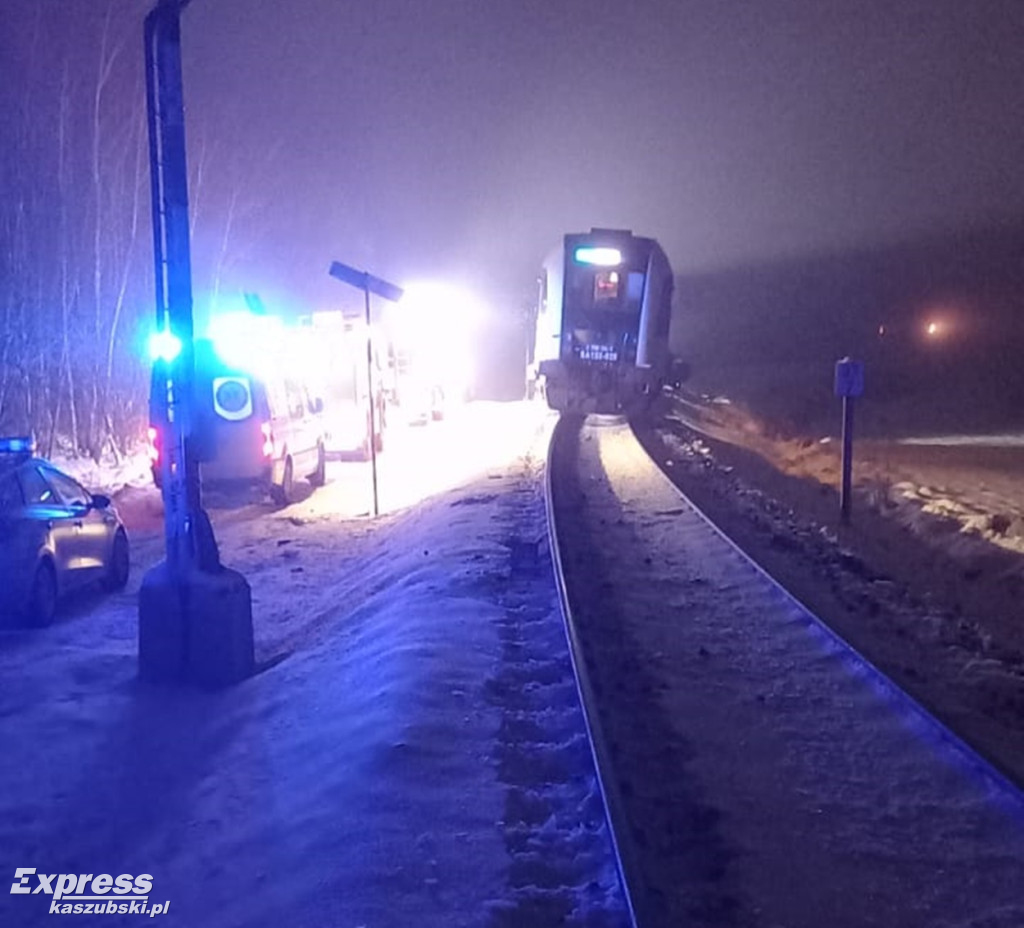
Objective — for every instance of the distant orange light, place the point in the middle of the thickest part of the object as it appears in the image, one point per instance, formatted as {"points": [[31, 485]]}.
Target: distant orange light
{"points": [[943, 321]]}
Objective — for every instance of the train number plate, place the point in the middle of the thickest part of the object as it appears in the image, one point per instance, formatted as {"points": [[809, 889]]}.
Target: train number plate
{"points": [[598, 353]]}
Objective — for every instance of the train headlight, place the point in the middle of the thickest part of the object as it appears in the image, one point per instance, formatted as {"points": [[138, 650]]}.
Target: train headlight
{"points": [[597, 255]]}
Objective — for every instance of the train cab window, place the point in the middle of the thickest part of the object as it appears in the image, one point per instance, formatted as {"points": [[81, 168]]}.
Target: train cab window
{"points": [[635, 287], [606, 290], [606, 287]]}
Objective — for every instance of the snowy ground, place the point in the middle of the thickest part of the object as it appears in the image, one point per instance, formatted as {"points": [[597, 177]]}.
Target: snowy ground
{"points": [[769, 778], [972, 483], [369, 775], [378, 772], [932, 599]]}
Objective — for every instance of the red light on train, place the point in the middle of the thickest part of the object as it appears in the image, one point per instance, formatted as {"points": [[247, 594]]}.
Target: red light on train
{"points": [[606, 286]]}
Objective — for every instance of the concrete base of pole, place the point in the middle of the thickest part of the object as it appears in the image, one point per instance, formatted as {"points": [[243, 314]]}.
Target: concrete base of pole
{"points": [[162, 637], [196, 628]]}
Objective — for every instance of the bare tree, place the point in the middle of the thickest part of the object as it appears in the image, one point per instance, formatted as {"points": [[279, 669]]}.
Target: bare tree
{"points": [[75, 276]]}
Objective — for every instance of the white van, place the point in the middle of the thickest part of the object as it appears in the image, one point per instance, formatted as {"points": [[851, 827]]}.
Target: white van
{"points": [[262, 430]]}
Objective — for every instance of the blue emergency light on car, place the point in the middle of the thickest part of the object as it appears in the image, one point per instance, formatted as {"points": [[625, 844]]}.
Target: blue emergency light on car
{"points": [[597, 255], [17, 445]]}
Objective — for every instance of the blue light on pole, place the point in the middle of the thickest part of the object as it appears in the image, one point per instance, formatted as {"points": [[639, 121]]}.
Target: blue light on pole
{"points": [[164, 345]]}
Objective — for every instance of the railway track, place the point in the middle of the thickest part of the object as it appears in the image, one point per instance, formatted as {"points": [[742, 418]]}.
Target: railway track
{"points": [[755, 769]]}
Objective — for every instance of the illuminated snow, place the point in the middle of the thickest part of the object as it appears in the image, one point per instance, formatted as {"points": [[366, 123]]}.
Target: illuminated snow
{"points": [[349, 783]]}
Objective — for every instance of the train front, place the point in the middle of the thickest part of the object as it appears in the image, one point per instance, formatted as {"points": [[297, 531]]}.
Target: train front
{"points": [[609, 306]]}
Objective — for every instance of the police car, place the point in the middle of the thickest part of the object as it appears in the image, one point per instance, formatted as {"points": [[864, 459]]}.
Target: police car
{"points": [[55, 536]]}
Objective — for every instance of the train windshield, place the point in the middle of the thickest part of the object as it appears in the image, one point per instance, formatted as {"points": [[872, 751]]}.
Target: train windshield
{"points": [[604, 289]]}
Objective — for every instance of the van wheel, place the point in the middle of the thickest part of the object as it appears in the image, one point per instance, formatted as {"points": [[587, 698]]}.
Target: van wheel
{"points": [[283, 494], [319, 477]]}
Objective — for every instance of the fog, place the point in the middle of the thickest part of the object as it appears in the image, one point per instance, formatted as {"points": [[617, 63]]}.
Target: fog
{"points": [[461, 139]]}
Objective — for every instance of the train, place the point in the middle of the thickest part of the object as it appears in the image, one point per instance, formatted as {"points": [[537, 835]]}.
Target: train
{"points": [[604, 308]]}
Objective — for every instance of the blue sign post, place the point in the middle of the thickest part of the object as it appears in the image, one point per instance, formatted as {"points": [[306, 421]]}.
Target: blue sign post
{"points": [[366, 282], [849, 384]]}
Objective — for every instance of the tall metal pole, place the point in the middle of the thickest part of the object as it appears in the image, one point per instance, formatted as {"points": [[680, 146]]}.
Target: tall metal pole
{"points": [[195, 615], [173, 383], [369, 387]]}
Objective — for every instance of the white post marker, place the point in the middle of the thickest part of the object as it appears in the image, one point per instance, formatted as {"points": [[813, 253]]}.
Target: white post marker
{"points": [[849, 384]]}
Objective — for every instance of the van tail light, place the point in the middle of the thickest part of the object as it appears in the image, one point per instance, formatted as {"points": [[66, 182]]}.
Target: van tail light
{"points": [[268, 440], [153, 444]]}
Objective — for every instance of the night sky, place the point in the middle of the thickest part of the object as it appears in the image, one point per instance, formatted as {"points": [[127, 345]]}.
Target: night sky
{"points": [[460, 138]]}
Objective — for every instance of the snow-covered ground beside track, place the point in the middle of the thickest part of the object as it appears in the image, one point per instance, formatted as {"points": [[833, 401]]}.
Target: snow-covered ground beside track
{"points": [[775, 780], [938, 608], [952, 490], [249, 806], [360, 778], [1001, 440]]}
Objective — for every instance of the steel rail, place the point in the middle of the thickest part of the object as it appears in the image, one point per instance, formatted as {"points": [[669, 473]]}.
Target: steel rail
{"points": [[630, 878], [982, 765]]}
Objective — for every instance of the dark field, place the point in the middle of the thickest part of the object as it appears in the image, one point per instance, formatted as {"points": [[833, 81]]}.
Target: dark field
{"points": [[769, 336]]}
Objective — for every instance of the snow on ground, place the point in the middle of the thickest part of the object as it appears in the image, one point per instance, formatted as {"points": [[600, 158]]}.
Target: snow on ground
{"points": [[358, 779], [938, 609], [958, 492], [1003, 440], [107, 475], [821, 801]]}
